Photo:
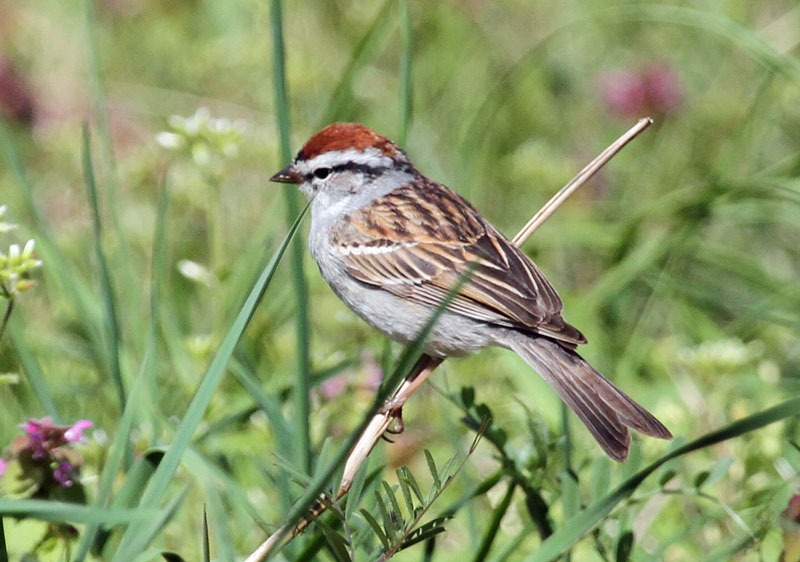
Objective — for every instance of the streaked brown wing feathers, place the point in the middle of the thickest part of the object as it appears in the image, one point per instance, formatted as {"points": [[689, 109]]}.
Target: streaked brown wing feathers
{"points": [[400, 244]]}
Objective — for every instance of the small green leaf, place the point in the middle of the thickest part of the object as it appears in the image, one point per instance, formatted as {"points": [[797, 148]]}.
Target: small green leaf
{"points": [[408, 477], [467, 396], [426, 531], [404, 488], [298, 475], [377, 528], [700, 479], [336, 541], [388, 523], [666, 476], [333, 508], [624, 547], [396, 513], [500, 437], [432, 467], [449, 469], [324, 454], [484, 413]]}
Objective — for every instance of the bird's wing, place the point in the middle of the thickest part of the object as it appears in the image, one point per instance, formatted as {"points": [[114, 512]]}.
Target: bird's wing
{"points": [[417, 241]]}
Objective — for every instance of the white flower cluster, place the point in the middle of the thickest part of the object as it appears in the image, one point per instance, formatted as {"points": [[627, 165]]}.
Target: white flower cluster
{"points": [[16, 265], [205, 138], [723, 355]]}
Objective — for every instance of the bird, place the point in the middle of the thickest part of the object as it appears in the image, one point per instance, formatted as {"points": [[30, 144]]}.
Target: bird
{"points": [[392, 244]]}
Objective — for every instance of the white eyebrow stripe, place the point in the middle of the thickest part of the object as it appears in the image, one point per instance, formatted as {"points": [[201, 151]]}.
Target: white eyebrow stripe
{"points": [[373, 250], [370, 156]]}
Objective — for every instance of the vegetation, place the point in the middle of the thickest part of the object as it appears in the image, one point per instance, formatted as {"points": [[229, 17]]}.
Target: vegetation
{"points": [[177, 381]]}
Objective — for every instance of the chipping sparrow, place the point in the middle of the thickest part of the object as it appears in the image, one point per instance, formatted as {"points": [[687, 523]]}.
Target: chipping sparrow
{"points": [[391, 243]]}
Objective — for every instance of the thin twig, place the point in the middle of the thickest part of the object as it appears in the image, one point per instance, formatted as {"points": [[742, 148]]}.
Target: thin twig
{"points": [[427, 364], [583, 176]]}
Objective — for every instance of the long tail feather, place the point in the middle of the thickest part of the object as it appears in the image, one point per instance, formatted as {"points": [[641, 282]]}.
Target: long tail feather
{"points": [[603, 408]]}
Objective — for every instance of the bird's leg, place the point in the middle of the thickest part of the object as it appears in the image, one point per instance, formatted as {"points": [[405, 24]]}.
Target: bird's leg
{"points": [[393, 407]]}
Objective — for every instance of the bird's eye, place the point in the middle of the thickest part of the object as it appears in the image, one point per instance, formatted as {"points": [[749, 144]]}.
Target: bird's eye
{"points": [[322, 173]]}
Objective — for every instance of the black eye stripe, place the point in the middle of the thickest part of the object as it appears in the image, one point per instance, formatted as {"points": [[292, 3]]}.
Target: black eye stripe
{"points": [[366, 169]]}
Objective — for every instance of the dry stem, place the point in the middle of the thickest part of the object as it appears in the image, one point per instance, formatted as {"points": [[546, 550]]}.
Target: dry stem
{"points": [[426, 364]]}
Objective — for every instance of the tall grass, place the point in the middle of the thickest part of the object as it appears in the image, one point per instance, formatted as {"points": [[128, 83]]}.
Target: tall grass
{"points": [[678, 263]]}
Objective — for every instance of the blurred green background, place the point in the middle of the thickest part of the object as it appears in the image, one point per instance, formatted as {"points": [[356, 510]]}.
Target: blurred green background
{"points": [[679, 261]]}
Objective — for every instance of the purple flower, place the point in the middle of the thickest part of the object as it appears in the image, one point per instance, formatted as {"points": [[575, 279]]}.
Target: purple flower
{"points": [[334, 386], [3, 465], [75, 433], [654, 89], [64, 474], [38, 431]]}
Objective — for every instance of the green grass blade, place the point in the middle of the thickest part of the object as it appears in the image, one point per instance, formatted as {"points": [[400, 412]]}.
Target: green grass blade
{"points": [[157, 524], [269, 405], [302, 389], [494, 524], [354, 496], [72, 512], [220, 521], [135, 539], [32, 370], [228, 422], [601, 477], [323, 460], [14, 164], [114, 460], [405, 73], [3, 550], [567, 437], [116, 453], [570, 494], [366, 47], [576, 527], [206, 471], [137, 477], [99, 110], [206, 541], [109, 304]]}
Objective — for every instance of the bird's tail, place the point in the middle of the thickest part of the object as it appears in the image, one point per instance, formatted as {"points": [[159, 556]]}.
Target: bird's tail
{"points": [[603, 408]]}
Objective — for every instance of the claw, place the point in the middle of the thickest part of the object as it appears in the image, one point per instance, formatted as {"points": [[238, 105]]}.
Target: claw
{"points": [[399, 426]]}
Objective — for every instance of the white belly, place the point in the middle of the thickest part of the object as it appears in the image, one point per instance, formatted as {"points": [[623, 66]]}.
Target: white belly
{"points": [[399, 319]]}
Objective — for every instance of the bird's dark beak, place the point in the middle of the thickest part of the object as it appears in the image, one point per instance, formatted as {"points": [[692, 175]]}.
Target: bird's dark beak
{"points": [[287, 175]]}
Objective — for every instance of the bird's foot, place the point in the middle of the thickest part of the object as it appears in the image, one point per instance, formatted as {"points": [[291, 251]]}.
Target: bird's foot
{"points": [[395, 412]]}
